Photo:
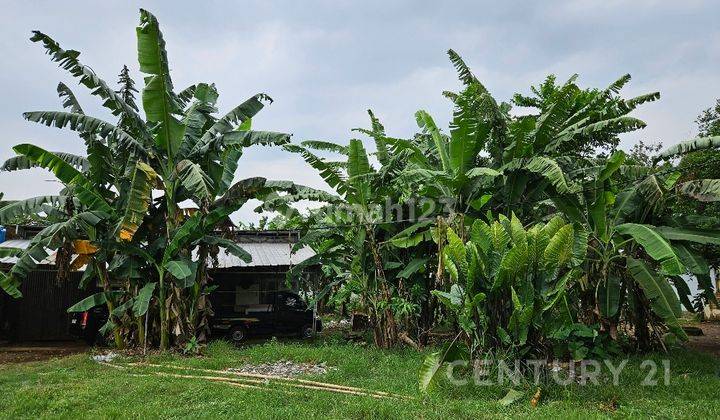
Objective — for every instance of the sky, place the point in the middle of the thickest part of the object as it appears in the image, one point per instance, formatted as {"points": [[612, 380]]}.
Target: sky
{"points": [[326, 62]]}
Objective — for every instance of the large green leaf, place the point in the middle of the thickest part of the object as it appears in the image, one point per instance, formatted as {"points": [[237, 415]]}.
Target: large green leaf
{"points": [[10, 251], [195, 180], [482, 171], [328, 172], [142, 301], [358, 167], [236, 196], [544, 167], [410, 236], [69, 100], [378, 134], [138, 200], [613, 163], [16, 163], [469, 131], [430, 368], [253, 138], [521, 317], [425, 121], [244, 138], [159, 102], [281, 203], [700, 143], [179, 268], [67, 174], [10, 285], [706, 190], [464, 73], [183, 235], [608, 296], [622, 124], [238, 115], [85, 124], [700, 236], [230, 247], [51, 238], [598, 213], [229, 162], [683, 292], [30, 206], [325, 146], [187, 94], [692, 260], [559, 250], [655, 246], [511, 397], [412, 267], [119, 311], [358, 164], [94, 300], [663, 300]]}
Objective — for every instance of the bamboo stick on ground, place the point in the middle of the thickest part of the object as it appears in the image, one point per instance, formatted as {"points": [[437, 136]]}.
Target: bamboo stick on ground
{"points": [[307, 383], [285, 379], [243, 383], [213, 379]]}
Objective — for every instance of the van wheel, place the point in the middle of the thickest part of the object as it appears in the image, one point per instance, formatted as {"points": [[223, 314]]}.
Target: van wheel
{"points": [[307, 331], [238, 334]]}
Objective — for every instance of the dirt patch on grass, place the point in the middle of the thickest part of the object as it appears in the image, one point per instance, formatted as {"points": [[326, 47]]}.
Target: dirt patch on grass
{"points": [[709, 342], [36, 352]]}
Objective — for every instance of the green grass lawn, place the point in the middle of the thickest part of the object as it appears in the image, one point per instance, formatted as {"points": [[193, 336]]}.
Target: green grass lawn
{"points": [[79, 387]]}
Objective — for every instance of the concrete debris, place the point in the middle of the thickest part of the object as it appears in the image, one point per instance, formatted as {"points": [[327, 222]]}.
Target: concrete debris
{"points": [[342, 324], [105, 357], [283, 368]]}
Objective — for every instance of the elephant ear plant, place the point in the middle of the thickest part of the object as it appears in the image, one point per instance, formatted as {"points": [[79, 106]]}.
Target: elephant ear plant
{"points": [[508, 283]]}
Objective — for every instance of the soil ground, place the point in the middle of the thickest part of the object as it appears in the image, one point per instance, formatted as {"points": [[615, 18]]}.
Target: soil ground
{"points": [[34, 352], [710, 341]]}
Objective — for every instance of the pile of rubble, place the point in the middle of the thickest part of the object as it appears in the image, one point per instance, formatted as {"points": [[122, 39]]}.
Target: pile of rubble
{"points": [[342, 324], [283, 368]]}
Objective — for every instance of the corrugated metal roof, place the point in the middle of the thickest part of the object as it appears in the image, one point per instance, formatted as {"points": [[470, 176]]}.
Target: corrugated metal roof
{"points": [[263, 254], [23, 244]]}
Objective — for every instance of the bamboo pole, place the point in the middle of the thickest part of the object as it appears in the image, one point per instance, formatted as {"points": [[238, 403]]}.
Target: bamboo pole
{"points": [[301, 383]]}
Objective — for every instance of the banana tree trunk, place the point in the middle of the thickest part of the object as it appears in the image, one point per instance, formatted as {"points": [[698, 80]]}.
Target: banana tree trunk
{"points": [[102, 272], [199, 305], [642, 332], [385, 327], [139, 322], [171, 219], [164, 327]]}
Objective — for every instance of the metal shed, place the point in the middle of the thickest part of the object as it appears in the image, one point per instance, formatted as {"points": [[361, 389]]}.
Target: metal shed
{"points": [[41, 314], [253, 282]]}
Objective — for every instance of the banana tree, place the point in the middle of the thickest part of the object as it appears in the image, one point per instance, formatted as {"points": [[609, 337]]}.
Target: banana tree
{"points": [[363, 228], [179, 148], [639, 248], [509, 164]]}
